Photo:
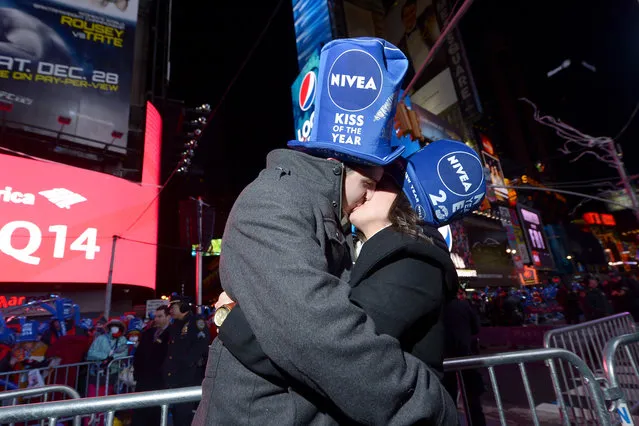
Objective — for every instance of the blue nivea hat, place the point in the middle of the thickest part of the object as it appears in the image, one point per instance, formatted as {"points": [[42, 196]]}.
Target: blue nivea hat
{"points": [[443, 181], [357, 87]]}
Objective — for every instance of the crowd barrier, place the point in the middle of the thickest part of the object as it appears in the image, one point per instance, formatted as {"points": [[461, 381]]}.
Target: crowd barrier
{"points": [[622, 375], [43, 391], [521, 358], [110, 404], [52, 411], [588, 341], [590, 365], [87, 378]]}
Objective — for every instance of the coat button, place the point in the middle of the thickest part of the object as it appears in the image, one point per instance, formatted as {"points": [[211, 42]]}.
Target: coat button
{"points": [[337, 170], [334, 203]]}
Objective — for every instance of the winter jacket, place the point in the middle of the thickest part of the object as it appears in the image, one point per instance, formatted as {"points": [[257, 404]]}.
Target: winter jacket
{"points": [[105, 346], [283, 255]]}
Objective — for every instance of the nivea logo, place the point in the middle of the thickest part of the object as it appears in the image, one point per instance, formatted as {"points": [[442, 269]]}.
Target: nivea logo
{"points": [[307, 91], [355, 80], [461, 173]]}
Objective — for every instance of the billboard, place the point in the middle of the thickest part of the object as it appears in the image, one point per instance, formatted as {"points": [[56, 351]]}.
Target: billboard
{"points": [[313, 28], [538, 247], [447, 82], [495, 176], [66, 66], [57, 222]]}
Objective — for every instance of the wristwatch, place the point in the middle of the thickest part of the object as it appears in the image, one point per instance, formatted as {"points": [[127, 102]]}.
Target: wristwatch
{"points": [[221, 313]]}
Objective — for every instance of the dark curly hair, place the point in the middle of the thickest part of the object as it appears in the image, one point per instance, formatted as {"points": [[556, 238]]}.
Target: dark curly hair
{"points": [[404, 219]]}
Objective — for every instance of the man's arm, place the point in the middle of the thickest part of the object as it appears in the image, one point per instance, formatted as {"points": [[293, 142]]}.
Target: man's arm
{"points": [[275, 267]]}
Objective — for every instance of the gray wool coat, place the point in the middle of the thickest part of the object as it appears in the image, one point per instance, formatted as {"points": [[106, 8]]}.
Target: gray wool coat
{"points": [[284, 260]]}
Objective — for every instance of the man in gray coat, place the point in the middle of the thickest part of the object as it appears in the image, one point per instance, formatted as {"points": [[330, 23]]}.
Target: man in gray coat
{"points": [[285, 259]]}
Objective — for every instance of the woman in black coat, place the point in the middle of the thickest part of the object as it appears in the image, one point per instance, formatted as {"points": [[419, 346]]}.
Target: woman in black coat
{"points": [[403, 275]]}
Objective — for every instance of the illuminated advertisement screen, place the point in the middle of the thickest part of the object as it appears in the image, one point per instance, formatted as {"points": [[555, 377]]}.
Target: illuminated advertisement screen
{"points": [[57, 222], [536, 241], [313, 28], [66, 65]]}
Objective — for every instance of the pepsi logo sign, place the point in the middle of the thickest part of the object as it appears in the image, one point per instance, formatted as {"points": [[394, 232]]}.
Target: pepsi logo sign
{"points": [[307, 91], [461, 173], [354, 80]]}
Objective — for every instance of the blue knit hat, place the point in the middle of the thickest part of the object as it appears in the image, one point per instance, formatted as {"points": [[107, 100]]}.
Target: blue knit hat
{"points": [[357, 87], [443, 181]]}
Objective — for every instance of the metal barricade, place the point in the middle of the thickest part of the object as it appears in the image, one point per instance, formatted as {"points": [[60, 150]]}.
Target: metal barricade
{"points": [[51, 411], [622, 375], [73, 375], [587, 340], [123, 382], [44, 391], [596, 401]]}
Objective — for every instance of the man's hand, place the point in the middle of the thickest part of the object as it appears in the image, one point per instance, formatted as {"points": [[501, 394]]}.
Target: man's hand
{"points": [[224, 299]]}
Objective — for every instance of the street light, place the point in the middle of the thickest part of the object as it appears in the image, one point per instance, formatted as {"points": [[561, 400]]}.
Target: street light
{"points": [[569, 257]]}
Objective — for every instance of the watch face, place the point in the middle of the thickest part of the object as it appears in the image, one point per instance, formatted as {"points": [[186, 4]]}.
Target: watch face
{"points": [[220, 315]]}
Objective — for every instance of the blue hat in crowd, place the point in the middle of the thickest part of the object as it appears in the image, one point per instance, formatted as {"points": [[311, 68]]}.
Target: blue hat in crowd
{"points": [[357, 88], [443, 181]]}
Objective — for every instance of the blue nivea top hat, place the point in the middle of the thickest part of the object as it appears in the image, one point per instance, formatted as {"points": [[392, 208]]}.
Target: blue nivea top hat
{"points": [[357, 87], [443, 181]]}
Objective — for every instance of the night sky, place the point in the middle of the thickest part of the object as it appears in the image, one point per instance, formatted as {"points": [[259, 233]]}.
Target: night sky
{"points": [[256, 117], [210, 43]]}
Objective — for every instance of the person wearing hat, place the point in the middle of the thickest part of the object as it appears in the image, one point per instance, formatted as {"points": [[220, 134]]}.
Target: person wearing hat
{"points": [[405, 258], [186, 352], [106, 347], [286, 260]]}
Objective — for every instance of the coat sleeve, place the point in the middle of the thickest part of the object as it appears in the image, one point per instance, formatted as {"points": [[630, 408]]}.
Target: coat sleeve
{"points": [[398, 294], [274, 266], [99, 349]]}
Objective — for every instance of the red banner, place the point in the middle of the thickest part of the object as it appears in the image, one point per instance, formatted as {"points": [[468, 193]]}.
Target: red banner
{"points": [[57, 222]]}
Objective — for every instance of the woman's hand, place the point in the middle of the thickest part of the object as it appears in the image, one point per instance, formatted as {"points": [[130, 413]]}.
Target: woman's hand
{"points": [[224, 299]]}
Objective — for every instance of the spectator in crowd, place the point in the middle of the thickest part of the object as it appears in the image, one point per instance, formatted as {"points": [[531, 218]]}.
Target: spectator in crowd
{"points": [[186, 354], [595, 303], [106, 347], [462, 328], [147, 364], [568, 298], [53, 333], [619, 293]]}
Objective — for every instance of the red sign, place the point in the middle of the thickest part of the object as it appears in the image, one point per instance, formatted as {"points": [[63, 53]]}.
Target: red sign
{"points": [[10, 301], [487, 144], [57, 222], [599, 219], [608, 220]]}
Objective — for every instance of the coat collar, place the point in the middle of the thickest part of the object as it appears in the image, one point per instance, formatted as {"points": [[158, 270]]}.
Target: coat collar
{"points": [[389, 242], [318, 175]]}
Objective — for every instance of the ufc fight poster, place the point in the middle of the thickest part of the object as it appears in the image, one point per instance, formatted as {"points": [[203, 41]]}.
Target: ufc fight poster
{"points": [[71, 59]]}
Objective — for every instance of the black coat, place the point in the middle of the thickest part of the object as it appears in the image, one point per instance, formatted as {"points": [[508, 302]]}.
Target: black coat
{"points": [[186, 353], [403, 284], [148, 359]]}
